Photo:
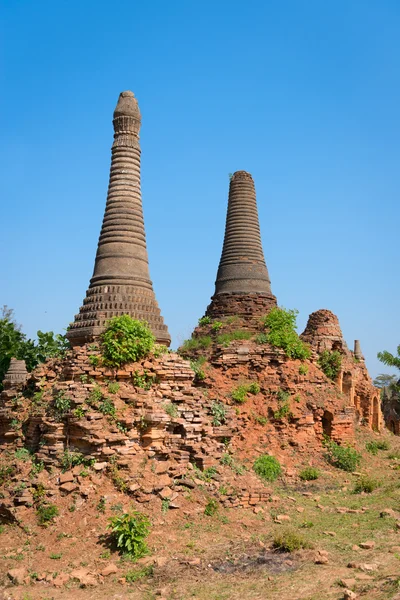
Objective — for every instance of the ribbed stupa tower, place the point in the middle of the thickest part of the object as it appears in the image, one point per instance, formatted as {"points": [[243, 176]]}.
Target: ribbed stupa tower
{"points": [[243, 287], [121, 281]]}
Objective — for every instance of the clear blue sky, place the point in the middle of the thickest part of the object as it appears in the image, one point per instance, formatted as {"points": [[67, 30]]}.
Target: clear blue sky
{"points": [[303, 94]]}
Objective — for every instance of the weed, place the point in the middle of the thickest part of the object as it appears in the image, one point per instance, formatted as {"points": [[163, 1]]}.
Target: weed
{"points": [[197, 367], [226, 338], [142, 380], [216, 326], [374, 446], [195, 343], [239, 394], [211, 508], [228, 460], [171, 410], [303, 369], [79, 412], [223, 490], [267, 467], [62, 404], [22, 454], [107, 407], [106, 554], [55, 556], [165, 504], [101, 506], [72, 459], [309, 474], [218, 412], [342, 457], [94, 359], [260, 419], [130, 532], [46, 513], [204, 321], [289, 541], [6, 472], [366, 484], [113, 387], [137, 574]]}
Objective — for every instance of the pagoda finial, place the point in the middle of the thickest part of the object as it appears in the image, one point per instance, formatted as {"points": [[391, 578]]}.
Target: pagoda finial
{"points": [[121, 281], [243, 286]]}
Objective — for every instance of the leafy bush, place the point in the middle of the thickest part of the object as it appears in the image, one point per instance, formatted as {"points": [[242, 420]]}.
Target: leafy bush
{"points": [[216, 326], [330, 363], [129, 532], [218, 412], [211, 508], [46, 513], [309, 474], [374, 446], [107, 407], [125, 340], [204, 321], [366, 484], [267, 467], [62, 404], [289, 541], [281, 333], [142, 380], [226, 338], [283, 405], [342, 457], [22, 454], [72, 459]]}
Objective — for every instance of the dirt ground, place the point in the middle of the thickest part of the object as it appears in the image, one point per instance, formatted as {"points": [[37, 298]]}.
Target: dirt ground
{"points": [[228, 555]]}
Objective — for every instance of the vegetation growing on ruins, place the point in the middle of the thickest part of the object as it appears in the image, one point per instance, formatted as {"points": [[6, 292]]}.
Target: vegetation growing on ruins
{"points": [[375, 445], [280, 325], [218, 412], [240, 393], [267, 467], [309, 474], [197, 366], [330, 363], [239, 334], [130, 532], [195, 343], [15, 344], [342, 457], [125, 340], [289, 541]]}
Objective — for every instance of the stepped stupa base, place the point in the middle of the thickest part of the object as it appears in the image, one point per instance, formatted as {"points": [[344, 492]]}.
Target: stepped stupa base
{"points": [[248, 307]]}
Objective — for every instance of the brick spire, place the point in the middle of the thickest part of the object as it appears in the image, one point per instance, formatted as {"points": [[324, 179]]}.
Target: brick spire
{"points": [[121, 281], [243, 286]]}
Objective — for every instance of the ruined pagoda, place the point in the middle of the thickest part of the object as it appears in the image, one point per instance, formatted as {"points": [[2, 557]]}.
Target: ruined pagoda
{"points": [[121, 281], [243, 287]]}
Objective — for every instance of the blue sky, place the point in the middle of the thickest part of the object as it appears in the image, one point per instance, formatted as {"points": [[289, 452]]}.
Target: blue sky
{"points": [[303, 94]]}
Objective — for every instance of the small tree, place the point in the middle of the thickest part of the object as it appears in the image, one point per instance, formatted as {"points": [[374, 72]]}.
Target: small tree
{"points": [[126, 340]]}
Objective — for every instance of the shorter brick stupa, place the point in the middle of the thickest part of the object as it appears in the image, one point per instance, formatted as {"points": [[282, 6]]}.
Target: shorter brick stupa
{"points": [[121, 281], [243, 287]]}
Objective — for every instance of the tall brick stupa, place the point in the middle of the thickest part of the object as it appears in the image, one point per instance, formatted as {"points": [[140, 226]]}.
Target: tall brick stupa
{"points": [[243, 287], [121, 281]]}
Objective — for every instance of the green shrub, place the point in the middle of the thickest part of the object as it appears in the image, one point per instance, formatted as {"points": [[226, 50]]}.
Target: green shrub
{"points": [[283, 405], [107, 407], [267, 467], [125, 340], [72, 459], [211, 508], [281, 333], [95, 396], [374, 446], [330, 363], [342, 457], [216, 326], [62, 404], [204, 321], [79, 412], [366, 484], [218, 412], [46, 513], [226, 338], [303, 369], [142, 380], [309, 474], [130, 532], [260, 419], [289, 541], [254, 388]]}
